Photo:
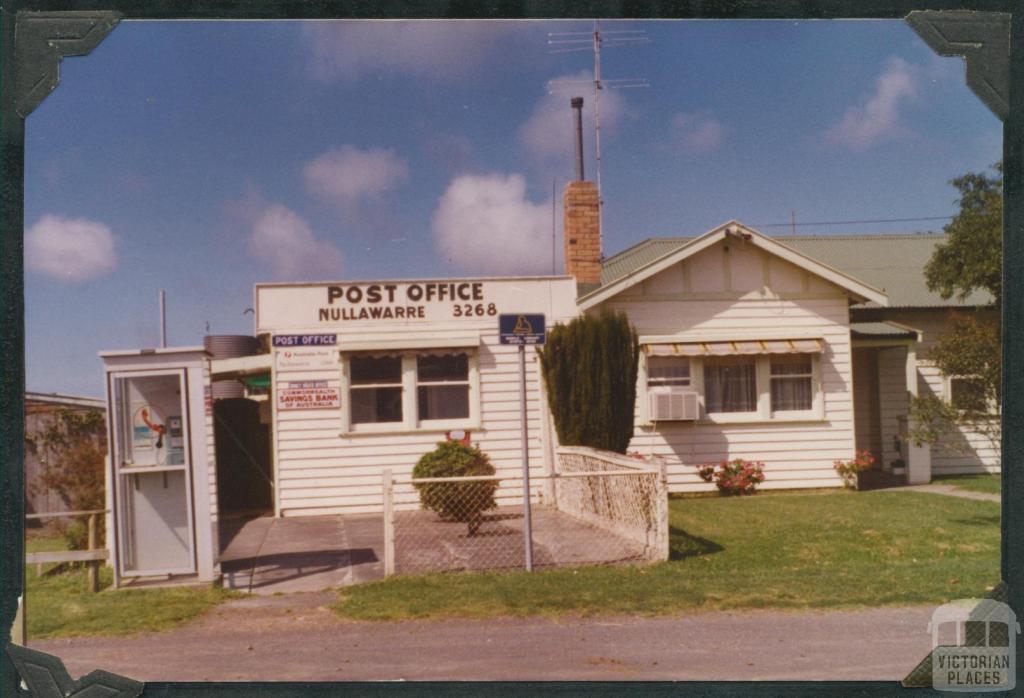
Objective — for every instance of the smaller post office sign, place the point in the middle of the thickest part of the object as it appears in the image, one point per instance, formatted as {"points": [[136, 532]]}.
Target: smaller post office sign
{"points": [[307, 395], [305, 340]]}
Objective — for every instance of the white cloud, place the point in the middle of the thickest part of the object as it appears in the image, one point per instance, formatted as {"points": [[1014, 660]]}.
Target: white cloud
{"points": [[877, 119], [282, 239], [697, 132], [550, 132], [70, 249], [347, 174], [346, 50], [485, 224]]}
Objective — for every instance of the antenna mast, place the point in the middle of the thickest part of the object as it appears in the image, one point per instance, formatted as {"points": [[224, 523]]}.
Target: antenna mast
{"points": [[593, 41]]}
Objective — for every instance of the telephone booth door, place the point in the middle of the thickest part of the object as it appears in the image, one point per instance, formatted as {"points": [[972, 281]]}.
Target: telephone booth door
{"points": [[152, 472]]}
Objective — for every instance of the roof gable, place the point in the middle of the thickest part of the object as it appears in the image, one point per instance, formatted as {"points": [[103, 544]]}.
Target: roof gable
{"points": [[892, 262], [653, 256]]}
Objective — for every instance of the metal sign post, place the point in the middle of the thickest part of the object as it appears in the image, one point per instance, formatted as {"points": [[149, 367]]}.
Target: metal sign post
{"points": [[521, 330]]}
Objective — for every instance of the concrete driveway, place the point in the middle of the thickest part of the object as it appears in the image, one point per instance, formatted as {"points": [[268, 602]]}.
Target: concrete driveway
{"points": [[297, 636], [264, 555]]}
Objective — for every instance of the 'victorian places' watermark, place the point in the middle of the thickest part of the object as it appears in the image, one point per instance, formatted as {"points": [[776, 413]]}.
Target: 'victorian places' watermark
{"points": [[974, 646]]}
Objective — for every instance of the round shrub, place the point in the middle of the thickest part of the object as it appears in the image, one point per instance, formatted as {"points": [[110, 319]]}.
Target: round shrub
{"points": [[456, 501]]}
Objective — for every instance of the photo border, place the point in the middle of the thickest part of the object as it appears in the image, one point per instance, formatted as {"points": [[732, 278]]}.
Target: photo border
{"points": [[12, 334]]}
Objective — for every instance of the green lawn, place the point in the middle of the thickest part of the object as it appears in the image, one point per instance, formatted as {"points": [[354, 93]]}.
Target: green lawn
{"points": [[61, 605], [990, 484], [834, 549]]}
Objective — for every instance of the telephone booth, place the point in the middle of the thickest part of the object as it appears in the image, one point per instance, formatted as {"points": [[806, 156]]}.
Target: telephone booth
{"points": [[160, 484]]}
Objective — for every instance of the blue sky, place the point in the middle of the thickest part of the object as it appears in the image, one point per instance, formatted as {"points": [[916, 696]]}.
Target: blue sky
{"points": [[203, 157]]}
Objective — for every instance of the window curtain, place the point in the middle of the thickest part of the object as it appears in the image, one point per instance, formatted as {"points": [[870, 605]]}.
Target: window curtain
{"points": [[791, 393], [730, 386], [791, 383]]}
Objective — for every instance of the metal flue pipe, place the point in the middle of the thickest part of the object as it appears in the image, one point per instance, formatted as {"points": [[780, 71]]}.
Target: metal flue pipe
{"points": [[577, 106]]}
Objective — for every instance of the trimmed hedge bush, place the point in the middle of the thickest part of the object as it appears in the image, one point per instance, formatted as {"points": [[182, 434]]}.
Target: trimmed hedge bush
{"points": [[456, 501], [590, 368]]}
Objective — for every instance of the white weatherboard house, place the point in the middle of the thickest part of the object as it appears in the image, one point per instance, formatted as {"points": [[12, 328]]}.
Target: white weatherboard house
{"points": [[796, 352], [405, 364]]}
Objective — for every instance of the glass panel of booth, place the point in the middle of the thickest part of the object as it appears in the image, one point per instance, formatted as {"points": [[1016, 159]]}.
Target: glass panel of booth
{"points": [[153, 478], [150, 410]]}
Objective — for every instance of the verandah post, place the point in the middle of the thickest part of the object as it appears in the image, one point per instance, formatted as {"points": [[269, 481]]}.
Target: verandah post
{"points": [[389, 523], [94, 583]]}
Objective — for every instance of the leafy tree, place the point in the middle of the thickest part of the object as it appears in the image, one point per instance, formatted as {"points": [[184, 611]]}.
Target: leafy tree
{"points": [[590, 369], [73, 446], [970, 260]]}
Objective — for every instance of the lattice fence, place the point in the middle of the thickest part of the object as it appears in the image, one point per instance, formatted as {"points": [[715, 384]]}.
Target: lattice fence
{"points": [[615, 512]]}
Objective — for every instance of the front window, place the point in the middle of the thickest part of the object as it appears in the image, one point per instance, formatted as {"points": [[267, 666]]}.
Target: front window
{"points": [[376, 393], [442, 386], [668, 370], [967, 393], [730, 384], [792, 382]]}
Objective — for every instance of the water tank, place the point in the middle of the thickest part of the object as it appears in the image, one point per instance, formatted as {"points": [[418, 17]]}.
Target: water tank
{"points": [[229, 346]]}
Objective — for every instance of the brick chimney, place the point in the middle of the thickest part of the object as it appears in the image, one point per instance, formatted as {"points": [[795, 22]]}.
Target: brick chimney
{"points": [[581, 203], [582, 232]]}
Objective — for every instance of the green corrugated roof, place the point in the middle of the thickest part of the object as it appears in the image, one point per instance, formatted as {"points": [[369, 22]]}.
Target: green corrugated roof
{"points": [[892, 262], [880, 329]]}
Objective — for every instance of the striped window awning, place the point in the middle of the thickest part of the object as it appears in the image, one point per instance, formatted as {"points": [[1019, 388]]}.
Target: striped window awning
{"points": [[733, 348]]}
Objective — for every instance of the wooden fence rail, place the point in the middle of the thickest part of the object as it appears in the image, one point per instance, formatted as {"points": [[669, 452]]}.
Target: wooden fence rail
{"points": [[93, 556]]}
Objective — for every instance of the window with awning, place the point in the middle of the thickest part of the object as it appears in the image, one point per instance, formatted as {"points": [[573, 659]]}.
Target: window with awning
{"points": [[746, 379]]}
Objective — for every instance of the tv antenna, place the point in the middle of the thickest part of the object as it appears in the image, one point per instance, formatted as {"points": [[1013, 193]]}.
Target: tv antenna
{"points": [[571, 42]]}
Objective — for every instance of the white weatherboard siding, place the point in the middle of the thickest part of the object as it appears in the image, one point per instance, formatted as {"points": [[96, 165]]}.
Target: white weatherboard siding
{"points": [[967, 450], [322, 470], [743, 292]]}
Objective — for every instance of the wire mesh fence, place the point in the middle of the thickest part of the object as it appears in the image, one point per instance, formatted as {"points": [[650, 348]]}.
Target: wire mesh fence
{"points": [[615, 512]]}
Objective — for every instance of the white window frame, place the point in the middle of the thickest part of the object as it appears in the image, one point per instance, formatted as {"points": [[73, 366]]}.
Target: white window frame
{"points": [[994, 409], [815, 386], [763, 413], [667, 384], [347, 398], [468, 383], [411, 423]]}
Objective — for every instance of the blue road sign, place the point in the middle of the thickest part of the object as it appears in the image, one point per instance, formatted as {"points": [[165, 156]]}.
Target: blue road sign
{"points": [[520, 328]]}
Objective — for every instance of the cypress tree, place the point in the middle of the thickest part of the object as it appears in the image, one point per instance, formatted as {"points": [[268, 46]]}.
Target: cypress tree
{"points": [[590, 370]]}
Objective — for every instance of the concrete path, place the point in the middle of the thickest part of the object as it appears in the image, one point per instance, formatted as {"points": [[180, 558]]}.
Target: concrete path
{"points": [[951, 491], [297, 636], [265, 555]]}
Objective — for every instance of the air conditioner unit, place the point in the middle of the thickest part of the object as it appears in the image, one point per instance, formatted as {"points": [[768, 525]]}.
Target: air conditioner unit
{"points": [[674, 404]]}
